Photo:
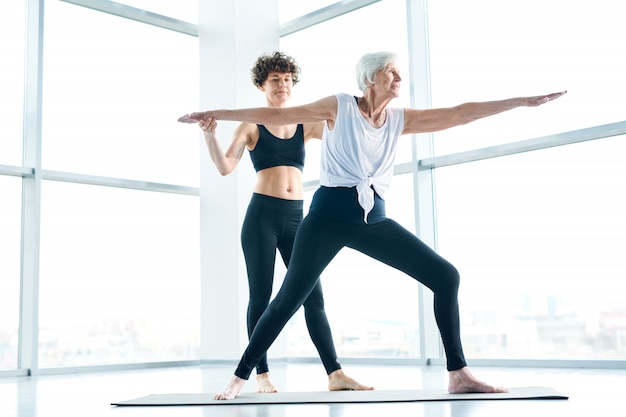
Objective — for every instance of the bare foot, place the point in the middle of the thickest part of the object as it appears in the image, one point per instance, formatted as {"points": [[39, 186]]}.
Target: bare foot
{"points": [[462, 381], [232, 390], [263, 383], [338, 381]]}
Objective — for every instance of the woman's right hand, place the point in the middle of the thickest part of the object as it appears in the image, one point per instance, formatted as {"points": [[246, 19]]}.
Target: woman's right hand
{"points": [[192, 117]]}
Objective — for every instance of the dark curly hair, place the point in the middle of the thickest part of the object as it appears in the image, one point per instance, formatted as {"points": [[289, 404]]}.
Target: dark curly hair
{"points": [[276, 61]]}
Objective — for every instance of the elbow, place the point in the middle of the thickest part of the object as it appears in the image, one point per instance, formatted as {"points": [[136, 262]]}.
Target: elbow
{"points": [[223, 167], [226, 169], [460, 116]]}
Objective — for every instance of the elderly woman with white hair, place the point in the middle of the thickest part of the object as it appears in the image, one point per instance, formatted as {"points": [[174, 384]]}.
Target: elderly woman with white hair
{"points": [[359, 144]]}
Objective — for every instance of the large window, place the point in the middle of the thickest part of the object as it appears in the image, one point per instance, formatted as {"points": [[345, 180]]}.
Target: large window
{"points": [[119, 279], [537, 236], [119, 276], [492, 49], [118, 265], [12, 35], [9, 269], [539, 239], [12, 16], [113, 89]]}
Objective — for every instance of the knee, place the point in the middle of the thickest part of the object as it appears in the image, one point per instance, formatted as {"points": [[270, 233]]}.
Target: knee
{"points": [[285, 305], [316, 304], [453, 277], [449, 280], [260, 290], [258, 302]]}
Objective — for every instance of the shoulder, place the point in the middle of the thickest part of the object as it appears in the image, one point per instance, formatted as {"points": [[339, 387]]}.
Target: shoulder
{"points": [[396, 119], [344, 104], [247, 128], [247, 133], [397, 111], [343, 98]]}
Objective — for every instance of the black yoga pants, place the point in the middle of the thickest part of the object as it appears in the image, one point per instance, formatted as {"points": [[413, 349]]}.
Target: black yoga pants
{"points": [[271, 223], [319, 239]]}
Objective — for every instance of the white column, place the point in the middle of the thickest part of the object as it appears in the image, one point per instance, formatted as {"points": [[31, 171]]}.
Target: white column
{"points": [[232, 34]]}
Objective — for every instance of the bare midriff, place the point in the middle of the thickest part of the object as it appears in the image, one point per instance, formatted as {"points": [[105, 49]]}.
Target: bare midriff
{"points": [[281, 182]]}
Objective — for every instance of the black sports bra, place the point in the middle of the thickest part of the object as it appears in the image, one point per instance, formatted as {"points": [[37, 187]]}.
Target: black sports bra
{"points": [[271, 151]]}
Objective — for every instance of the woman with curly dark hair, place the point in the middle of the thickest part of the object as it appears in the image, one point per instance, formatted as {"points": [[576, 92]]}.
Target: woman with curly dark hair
{"points": [[276, 207]]}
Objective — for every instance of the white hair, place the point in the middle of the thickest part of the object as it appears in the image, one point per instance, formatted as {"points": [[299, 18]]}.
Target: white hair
{"points": [[369, 64]]}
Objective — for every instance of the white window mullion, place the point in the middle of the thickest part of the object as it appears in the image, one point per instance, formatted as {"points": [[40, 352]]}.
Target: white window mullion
{"points": [[31, 188], [419, 66]]}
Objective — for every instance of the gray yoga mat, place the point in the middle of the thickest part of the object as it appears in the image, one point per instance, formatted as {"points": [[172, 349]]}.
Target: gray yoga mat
{"points": [[326, 397]]}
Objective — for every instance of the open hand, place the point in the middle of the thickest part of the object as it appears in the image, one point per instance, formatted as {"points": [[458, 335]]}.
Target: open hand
{"points": [[539, 100], [191, 117]]}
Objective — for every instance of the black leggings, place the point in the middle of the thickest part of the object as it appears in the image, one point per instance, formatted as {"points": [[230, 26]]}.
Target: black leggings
{"points": [[319, 239], [271, 224]]}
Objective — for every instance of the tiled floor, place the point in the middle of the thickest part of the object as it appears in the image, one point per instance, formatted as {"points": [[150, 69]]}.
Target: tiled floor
{"points": [[597, 393]]}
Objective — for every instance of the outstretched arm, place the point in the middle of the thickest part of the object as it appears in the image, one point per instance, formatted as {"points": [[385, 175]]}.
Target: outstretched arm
{"points": [[432, 120], [324, 109]]}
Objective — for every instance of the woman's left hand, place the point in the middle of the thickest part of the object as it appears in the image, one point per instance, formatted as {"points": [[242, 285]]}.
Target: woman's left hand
{"points": [[539, 100]]}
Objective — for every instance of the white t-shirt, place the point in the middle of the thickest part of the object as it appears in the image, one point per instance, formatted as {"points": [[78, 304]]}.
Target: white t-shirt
{"points": [[356, 154]]}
